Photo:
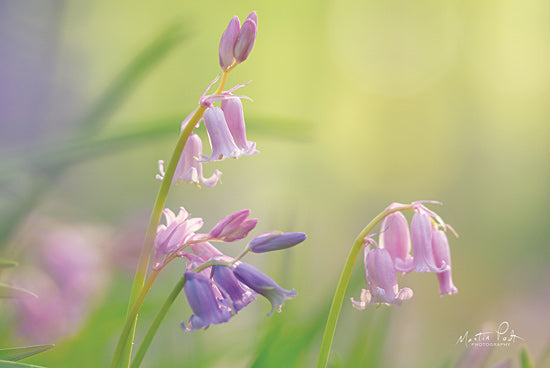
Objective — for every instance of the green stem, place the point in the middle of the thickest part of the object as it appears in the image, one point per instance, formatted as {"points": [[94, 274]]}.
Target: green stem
{"points": [[338, 299], [156, 324], [129, 325]]}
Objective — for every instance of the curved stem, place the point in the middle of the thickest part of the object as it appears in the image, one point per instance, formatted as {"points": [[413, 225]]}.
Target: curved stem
{"points": [[129, 325], [156, 324], [338, 299]]}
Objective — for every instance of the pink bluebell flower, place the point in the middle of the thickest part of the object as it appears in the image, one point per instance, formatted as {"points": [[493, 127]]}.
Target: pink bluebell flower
{"points": [[222, 142], [442, 257], [234, 116], [263, 285], [173, 236], [395, 236], [381, 279], [233, 227], [189, 168], [208, 308], [275, 240]]}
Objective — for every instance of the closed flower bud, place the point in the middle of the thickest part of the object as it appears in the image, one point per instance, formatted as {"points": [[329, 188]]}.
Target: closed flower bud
{"points": [[276, 240], [227, 43], [245, 40], [233, 227], [395, 237]]}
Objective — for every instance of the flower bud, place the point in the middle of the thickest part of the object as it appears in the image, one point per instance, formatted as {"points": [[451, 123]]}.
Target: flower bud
{"points": [[395, 236], [275, 240], [245, 40], [227, 42], [233, 227]]}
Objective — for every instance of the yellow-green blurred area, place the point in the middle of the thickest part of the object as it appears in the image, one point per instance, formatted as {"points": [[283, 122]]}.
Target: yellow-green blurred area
{"points": [[357, 104]]}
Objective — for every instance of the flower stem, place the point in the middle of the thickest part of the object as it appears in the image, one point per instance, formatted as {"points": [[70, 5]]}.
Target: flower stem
{"points": [[156, 324], [129, 325], [338, 299], [147, 249]]}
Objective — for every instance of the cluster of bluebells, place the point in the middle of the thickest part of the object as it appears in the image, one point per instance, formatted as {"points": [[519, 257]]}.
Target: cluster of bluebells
{"points": [[225, 125], [217, 286], [383, 260]]}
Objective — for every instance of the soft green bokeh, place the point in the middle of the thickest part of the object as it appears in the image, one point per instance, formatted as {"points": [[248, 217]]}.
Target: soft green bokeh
{"points": [[401, 100]]}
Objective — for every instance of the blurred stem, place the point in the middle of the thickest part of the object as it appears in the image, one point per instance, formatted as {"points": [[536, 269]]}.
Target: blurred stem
{"points": [[338, 299], [156, 324], [129, 325], [147, 249]]}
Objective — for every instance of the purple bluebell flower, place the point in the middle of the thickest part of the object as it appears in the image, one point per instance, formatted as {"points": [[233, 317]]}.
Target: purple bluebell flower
{"points": [[207, 307], [442, 257], [189, 168], [233, 227], [222, 142], [395, 236], [246, 38], [172, 237], [240, 294], [275, 240], [382, 280], [263, 284], [234, 116], [227, 43]]}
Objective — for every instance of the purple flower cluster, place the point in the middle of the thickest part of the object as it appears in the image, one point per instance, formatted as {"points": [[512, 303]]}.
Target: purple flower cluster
{"points": [[218, 286], [225, 125], [430, 253]]}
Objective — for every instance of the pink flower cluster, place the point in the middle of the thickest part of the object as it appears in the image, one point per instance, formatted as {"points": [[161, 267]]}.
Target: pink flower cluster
{"points": [[382, 262]]}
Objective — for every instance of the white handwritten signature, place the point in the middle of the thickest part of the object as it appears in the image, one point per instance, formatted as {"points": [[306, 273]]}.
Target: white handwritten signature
{"points": [[503, 336]]}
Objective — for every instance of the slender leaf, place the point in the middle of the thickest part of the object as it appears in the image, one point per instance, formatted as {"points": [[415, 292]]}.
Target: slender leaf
{"points": [[19, 353], [6, 263], [10, 364], [8, 291]]}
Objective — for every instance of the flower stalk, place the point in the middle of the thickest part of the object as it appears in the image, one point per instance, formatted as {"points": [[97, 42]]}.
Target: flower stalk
{"points": [[342, 286]]}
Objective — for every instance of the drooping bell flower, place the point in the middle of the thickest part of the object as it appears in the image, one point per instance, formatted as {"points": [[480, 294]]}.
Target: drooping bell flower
{"points": [[173, 236], [239, 293], [381, 279], [442, 257], [423, 257], [233, 227], [208, 309], [189, 168], [205, 250], [275, 240], [234, 116], [263, 284], [395, 237], [222, 142]]}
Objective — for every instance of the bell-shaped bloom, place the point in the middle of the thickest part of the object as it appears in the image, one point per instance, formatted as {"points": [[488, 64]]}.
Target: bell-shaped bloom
{"points": [[234, 116], [227, 42], [189, 168], [239, 293], [173, 236], [222, 142], [263, 285], [233, 227], [247, 37], [395, 237], [442, 257], [423, 258], [208, 308], [205, 250], [382, 281], [275, 240]]}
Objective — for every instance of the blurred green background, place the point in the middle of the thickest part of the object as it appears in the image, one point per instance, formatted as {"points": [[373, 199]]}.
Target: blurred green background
{"points": [[357, 104]]}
